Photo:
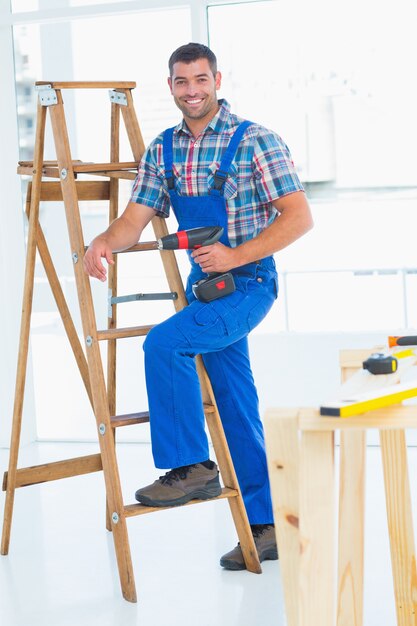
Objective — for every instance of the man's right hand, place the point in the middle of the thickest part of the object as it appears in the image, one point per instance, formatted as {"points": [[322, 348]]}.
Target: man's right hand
{"points": [[97, 250]]}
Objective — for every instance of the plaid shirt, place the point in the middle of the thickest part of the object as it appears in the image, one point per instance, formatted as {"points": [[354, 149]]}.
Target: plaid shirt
{"points": [[261, 172]]}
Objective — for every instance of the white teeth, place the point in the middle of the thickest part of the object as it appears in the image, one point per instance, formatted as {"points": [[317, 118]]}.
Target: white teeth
{"points": [[193, 101]]}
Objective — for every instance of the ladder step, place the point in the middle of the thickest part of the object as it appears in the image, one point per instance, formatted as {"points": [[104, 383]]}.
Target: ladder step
{"points": [[121, 333], [140, 509], [129, 419], [88, 84], [55, 471], [105, 167], [143, 417]]}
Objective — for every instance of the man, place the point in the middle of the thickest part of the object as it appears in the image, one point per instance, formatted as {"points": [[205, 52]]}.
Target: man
{"points": [[213, 169]]}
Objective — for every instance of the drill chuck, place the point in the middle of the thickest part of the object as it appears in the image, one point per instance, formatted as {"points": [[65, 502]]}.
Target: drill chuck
{"points": [[191, 239]]}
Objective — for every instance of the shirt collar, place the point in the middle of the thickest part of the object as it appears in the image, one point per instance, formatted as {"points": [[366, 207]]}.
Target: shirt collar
{"points": [[217, 124]]}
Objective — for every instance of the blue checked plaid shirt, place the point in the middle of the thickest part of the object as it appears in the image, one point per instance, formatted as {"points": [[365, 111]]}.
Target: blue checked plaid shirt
{"points": [[261, 172]]}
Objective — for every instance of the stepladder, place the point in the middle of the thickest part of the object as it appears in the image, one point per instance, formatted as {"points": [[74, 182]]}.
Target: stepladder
{"points": [[67, 180]]}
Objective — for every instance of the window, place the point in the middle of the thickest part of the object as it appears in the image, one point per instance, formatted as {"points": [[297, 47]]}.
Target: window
{"points": [[123, 47], [332, 78]]}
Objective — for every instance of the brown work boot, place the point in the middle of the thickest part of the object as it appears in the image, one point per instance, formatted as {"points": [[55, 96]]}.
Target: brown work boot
{"points": [[182, 484], [266, 545]]}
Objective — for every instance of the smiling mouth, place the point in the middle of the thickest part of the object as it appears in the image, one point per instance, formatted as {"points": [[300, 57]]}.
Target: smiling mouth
{"points": [[195, 101]]}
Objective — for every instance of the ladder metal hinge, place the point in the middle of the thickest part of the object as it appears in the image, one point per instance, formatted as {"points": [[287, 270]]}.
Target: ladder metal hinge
{"points": [[118, 97], [47, 95]]}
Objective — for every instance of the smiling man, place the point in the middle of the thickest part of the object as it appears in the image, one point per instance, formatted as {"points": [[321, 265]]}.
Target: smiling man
{"points": [[212, 169]]}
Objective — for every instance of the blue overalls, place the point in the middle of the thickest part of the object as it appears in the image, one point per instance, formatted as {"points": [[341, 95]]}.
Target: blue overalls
{"points": [[218, 330]]}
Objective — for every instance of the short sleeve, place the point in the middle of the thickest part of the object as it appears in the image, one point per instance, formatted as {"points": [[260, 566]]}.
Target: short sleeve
{"points": [[275, 173], [149, 187]]}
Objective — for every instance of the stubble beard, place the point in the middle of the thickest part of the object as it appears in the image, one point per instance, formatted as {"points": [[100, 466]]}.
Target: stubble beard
{"points": [[209, 105]]}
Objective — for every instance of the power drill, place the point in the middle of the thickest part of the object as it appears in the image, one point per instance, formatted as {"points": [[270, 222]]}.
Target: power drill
{"points": [[215, 285]]}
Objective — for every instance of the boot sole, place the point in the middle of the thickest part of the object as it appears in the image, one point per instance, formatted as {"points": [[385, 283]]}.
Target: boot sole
{"points": [[200, 494], [267, 555]]}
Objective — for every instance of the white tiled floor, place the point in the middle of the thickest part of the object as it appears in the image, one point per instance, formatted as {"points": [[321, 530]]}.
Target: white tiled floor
{"points": [[61, 569]]}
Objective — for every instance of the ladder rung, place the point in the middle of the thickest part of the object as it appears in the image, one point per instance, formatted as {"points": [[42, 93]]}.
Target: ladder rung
{"points": [[129, 419], [121, 333], [140, 509], [143, 417], [26, 167], [55, 471], [109, 167]]}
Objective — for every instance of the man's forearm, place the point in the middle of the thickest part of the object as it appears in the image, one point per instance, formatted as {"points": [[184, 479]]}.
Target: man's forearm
{"points": [[120, 235], [293, 222], [286, 229]]}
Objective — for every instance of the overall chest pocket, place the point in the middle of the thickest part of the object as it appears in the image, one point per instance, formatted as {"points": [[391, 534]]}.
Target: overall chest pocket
{"points": [[230, 186]]}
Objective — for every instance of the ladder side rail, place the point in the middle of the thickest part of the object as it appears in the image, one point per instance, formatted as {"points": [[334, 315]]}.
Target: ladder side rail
{"points": [[112, 278], [132, 126], [24, 329], [101, 408], [112, 269]]}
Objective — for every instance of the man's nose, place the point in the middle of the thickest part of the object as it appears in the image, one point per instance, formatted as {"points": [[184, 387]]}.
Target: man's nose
{"points": [[192, 88]]}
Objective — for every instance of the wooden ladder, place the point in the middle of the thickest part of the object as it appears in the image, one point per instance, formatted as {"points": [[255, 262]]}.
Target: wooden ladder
{"points": [[71, 190]]}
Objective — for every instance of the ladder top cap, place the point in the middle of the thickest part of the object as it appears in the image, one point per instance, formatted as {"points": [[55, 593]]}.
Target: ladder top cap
{"points": [[87, 84]]}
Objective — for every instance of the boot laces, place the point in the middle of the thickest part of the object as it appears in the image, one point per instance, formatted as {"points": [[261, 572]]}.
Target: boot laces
{"points": [[176, 474], [258, 530]]}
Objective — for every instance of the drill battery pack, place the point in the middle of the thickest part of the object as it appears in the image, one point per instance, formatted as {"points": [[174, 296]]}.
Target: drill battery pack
{"points": [[213, 287]]}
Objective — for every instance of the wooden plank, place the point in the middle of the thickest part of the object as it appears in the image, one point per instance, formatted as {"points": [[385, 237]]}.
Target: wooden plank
{"points": [[281, 437], [351, 528], [125, 174], [351, 523], [24, 329], [110, 167], [131, 510], [55, 471], [388, 418], [362, 391], [132, 127], [317, 501], [88, 84], [101, 409], [129, 419], [47, 163], [86, 190], [122, 333], [400, 525], [355, 404], [355, 358], [112, 270], [142, 246]]}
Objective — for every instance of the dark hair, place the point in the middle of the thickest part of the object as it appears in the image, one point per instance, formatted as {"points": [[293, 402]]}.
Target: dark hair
{"points": [[192, 52]]}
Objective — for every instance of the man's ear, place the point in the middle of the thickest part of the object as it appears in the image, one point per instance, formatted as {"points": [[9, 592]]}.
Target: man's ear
{"points": [[169, 79], [218, 80]]}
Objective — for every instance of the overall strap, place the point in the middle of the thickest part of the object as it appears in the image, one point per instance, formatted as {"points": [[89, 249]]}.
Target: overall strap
{"points": [[168, 156], [223, 171]]}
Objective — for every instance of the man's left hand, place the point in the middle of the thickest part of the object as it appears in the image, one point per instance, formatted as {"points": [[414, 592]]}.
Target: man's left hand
{"points": [[215, 258]]}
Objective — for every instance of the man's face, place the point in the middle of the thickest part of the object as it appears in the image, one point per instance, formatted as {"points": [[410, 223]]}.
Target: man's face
{"points": [[194, 89]]}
